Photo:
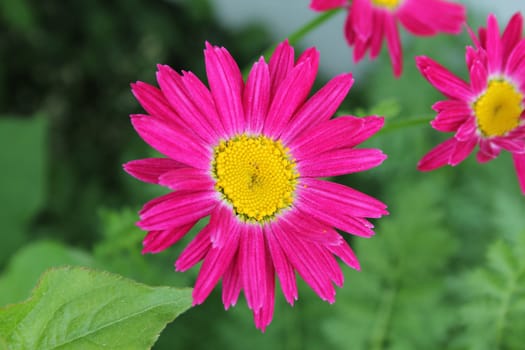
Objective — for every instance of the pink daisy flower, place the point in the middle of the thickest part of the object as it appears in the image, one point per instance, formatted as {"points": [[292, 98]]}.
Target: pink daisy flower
{"points": [[490, 110], [369, 21], [248, 155]]}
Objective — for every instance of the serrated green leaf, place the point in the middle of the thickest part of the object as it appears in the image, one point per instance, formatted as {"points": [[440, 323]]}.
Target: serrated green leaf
{"points": [[399, 299], [492, 316], [22, 272], [78, 308]]}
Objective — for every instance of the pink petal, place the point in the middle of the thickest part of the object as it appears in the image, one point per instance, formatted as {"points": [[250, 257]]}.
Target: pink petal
{"points": [[214, 265], [342, 132], [263, 316], [516, 62], [438, 156], [511, 145], [324, 5], [518, 132], [376, 41], [256, 97], [154, 102], [372, 124], [451, 115], [346, 254], [478, 77], [222, 219], [349, 29], [340, 162], [176, 209], [231, 283], [331, 202], [281, 63], [461, 151], [467, 130], [393, 42], [181, 101], [324, 258], [203, 100], [187, 179], [307, 228], [157, 241], [195, 251], [304, 260], [487, 151], [311, 55], [361, 13], [172, 142], [358, 226], [494, 48], [512, 34], [320, 107], [290, 94], [226, 84], [447, 83], [327, 136], [519, 165], [252, 259], [150, 169], [430, 17], [283, 267]]}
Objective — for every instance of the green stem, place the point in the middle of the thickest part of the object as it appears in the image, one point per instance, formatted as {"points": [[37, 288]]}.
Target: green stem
{"points": [[300, 33], [501, 321], [380, 331], [389, 127]]}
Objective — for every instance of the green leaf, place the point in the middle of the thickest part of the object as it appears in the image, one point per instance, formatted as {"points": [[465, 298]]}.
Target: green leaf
{"points": [[22, 272], [78, 308], [399, 299], [492, 317]]}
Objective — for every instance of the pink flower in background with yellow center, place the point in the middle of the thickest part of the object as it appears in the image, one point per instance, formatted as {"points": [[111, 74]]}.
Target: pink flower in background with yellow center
{"points": [[490, 110], [370, 21], [249, 156]]}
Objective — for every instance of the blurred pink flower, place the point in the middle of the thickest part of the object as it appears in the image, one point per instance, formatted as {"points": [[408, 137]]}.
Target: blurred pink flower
{"points": [[488, 112], [369, 21], [248, 155]]}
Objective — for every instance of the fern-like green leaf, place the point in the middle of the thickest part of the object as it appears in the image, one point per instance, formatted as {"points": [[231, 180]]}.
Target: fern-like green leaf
{"points": [[398, 300], [494, 314]]}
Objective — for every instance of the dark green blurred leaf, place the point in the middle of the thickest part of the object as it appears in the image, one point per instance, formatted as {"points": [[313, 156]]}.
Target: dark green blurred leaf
{"points": [[18, 14], [23, 159]]}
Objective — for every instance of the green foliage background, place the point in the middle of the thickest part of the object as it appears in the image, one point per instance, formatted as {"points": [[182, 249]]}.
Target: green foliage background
{"points": [[445, 270]]}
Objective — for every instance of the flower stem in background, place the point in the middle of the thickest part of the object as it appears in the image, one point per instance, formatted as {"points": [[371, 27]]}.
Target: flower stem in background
{"points": [[299, 34], [404, 124]]}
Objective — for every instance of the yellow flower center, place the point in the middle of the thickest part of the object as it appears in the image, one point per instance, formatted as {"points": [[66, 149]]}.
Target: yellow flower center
{"points": [[256, 175], [390, 4], [499, 109]]}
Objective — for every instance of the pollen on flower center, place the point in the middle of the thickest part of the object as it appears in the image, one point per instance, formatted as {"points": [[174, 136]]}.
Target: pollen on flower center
{"points": [[390, 4], [499, 109], [256, 175]]}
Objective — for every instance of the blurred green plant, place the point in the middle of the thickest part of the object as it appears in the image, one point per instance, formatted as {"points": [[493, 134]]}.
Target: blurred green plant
{"points": [[494, 295], [22, 178], [399, 299]]}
